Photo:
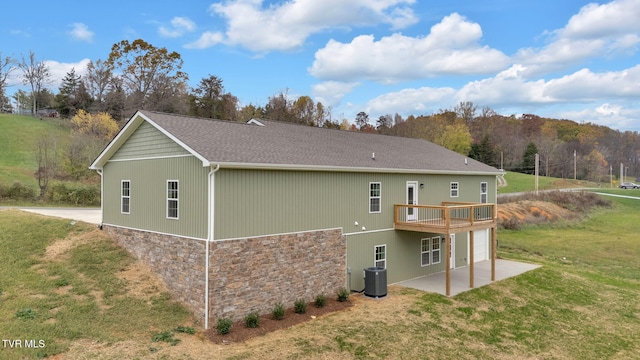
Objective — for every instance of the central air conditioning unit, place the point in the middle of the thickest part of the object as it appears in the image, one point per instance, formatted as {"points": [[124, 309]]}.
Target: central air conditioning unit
{"points": [[375, 282]]}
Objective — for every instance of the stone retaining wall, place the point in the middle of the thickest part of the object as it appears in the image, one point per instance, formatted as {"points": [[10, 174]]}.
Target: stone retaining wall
{"points": [[256, 273], [245, 274]]}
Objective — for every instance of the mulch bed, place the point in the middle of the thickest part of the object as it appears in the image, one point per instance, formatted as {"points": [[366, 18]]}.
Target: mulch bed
{"points": [[240, 333]]}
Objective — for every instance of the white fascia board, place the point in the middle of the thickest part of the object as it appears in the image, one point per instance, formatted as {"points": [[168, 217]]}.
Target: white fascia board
{"points": [[232, 165]]}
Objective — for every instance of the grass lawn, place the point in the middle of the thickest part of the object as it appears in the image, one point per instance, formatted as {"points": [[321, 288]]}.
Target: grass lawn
{"points": [[517, 182], [581, 304], [18, 136], [56, 293]]}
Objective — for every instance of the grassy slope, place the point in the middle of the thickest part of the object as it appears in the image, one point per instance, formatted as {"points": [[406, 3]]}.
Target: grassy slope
{"points": [[517, 182], [75, 295], [18, 135], [582, 303]]}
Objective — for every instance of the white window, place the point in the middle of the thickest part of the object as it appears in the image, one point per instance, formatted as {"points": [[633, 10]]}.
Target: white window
{"points": [[430, 251], [374, 197], [125, 196], [483, 192], [425, 251], [454, 189], [380, 256], [435, 250], [172, 199]]}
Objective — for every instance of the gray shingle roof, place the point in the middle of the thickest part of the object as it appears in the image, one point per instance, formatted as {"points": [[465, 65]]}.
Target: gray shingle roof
{"points": [[285, 145]]}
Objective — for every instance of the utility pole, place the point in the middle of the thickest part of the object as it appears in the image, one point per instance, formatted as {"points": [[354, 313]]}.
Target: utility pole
{"points": [[574, 165], [610, 176], [621, 173], [537, 171]]}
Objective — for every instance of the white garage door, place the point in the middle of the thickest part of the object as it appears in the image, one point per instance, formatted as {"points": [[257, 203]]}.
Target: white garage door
{"points": [[480, 245]]}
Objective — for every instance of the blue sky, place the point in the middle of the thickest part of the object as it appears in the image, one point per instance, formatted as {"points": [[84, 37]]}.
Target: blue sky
{"points": [[566, 59]]}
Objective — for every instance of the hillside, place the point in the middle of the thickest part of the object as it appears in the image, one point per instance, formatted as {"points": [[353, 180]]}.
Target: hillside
{"points": [[18, 137]]}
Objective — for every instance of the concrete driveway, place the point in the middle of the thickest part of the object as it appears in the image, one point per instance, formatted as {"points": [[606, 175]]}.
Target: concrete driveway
{"points": [[88, 215]]}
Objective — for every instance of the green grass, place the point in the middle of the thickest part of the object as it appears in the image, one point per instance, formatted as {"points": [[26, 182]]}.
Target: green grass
{"points": [[517, 182], [582, 303], [71, 297], [18, 136]]}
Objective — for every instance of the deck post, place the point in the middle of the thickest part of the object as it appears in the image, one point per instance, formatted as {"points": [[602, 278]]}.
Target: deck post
{"points": [[447, 270], [471, 259]]}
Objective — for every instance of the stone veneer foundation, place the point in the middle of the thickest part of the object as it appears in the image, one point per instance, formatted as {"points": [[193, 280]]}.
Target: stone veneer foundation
{"points": [[244, 274]]}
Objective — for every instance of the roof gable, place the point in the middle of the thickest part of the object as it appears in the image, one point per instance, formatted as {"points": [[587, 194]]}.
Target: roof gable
{"points": [[121, 148]]}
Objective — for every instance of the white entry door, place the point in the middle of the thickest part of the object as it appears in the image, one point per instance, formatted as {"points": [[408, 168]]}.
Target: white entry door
{"points": [[412, 199]]}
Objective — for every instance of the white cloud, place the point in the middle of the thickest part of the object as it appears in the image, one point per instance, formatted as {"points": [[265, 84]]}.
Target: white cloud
{"points": [[81, 32], [451, 48], [59, 70], [179, 25], [595, 21], [411, 101], [206, 40], [331, 93], [286, 26], [615, 116], [596, 31], [585, 85]]}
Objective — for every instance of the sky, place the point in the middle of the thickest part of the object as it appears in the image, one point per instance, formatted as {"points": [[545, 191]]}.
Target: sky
{"points": [[563, 59]]}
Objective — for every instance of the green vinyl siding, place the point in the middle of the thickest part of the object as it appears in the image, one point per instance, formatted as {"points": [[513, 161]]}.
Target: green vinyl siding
{"points": [[148, 195], [403, 255], [146, 142], [261, 202], [255, 202]]}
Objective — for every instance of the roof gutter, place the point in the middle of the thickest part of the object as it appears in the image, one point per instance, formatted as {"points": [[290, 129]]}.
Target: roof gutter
{"points": [[210, 238], [236, 165]]}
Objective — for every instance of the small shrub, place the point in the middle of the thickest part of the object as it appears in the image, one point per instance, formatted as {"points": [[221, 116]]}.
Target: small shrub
{"points": [[185, 330], [300, 306], [223, 326], [165, 336], [343, 295], [511, 224], [26, 314], [321, 300], [278, 311], [17, 191], [252, 320], [74, 193]]}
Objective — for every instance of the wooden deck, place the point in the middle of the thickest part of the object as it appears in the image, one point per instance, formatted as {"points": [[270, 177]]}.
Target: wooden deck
{"points": [[450, 217]]}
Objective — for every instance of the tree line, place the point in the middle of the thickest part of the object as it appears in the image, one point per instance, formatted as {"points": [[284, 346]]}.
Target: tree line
{"points": [[137, 75]]}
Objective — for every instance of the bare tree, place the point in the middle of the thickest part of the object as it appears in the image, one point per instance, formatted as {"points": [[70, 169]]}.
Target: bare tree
{"points": [[36, 74], [362, 120], [7, 66], [466, 110], [97, 81], [47, 158]]}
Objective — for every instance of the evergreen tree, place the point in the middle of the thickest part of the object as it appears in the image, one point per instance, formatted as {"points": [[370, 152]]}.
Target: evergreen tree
{"points": [[529, 159], [67, 98]]}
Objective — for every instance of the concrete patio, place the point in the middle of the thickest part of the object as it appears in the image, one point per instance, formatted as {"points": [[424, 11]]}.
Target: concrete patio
{"points": [[460, 277]]}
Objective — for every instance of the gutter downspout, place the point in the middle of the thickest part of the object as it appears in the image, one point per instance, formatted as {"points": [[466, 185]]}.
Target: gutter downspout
{"points": [[210, 237], [99, 171]]}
